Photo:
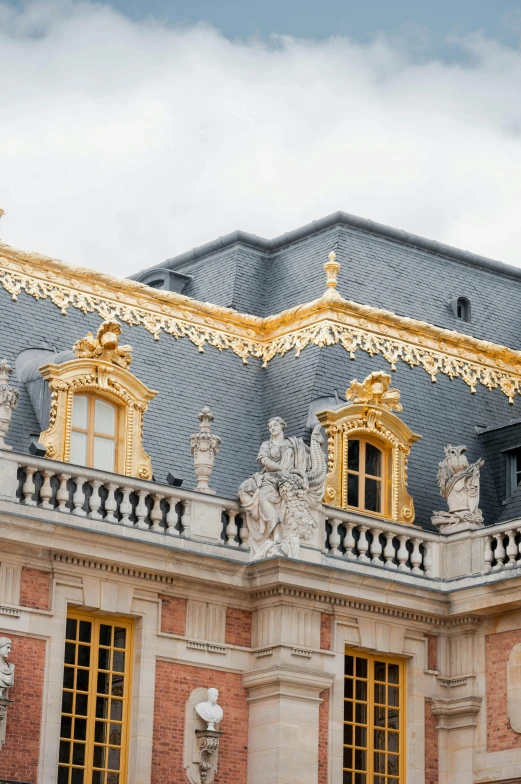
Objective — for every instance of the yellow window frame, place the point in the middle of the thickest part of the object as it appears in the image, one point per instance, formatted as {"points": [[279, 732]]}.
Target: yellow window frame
{"points": [[96, 622], [373, 776]]}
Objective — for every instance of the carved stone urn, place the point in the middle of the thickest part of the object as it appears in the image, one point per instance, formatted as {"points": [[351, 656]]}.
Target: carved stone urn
{"points": [[8, 401], [204, 446]]}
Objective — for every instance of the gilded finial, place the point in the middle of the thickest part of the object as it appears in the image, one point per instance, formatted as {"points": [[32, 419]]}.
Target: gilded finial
{"points": [[332, 268]]}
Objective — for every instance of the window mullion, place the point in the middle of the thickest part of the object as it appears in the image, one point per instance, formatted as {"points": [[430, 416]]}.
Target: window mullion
{"points": [[361, 482], [370, 719], [91, 713]]}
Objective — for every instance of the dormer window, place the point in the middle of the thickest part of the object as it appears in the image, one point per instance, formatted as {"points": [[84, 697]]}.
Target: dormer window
{"points": [[513, 466], [366, 470], [94, 433], [460, 306]]}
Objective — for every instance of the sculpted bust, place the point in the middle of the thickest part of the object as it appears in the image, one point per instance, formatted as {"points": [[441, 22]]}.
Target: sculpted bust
{"points": [[6, 668], [209, 711]]}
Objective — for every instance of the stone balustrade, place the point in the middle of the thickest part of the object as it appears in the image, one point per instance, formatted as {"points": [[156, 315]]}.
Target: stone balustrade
{"points": [[122, 500], [501, 546], [381, 543]]}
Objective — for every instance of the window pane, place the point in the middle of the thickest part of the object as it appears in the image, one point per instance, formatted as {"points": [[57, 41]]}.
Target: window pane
{"points": [[373, 460], [104, 418], [353, 455], [80, 412], [104, 453], [373, 495], [352, 489], [78, 454]]}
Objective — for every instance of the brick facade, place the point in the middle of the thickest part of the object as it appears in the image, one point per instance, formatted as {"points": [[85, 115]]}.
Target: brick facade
{"points": [[238, 627], [174, 684], [432, 652], [35, 587], [323, 735], [500, 735], [325, 631], [431, 746], [173, 615], [19, 756]]}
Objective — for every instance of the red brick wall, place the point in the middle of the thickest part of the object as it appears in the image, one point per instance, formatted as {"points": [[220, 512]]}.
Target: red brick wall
{"points": [[323, 733], [432, 652], [325, 631], [173, 615], [238, 627], [500, 735], [431, 745], [174, 684], [34, 588], [19, 755]]}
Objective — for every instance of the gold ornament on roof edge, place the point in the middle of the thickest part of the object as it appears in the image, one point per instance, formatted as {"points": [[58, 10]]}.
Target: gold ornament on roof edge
{"points": [[376, 390], [332, 268], [105, 345]]}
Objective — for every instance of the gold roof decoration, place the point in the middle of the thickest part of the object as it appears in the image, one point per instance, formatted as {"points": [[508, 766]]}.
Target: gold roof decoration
{"points": [[105, 345], [375, 390], [332, 268]]}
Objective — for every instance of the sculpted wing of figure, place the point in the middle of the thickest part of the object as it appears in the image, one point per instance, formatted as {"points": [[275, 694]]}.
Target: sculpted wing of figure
{"points": [[459, 483], [209, 711], [277, 500], [6, 668]]}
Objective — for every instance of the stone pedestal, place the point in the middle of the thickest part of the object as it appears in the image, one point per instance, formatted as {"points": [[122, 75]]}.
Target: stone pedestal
{"points": [[4, 705], [284, 724], [208, 742]]}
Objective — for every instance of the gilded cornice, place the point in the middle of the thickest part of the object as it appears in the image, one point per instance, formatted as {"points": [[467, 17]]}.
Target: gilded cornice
{"points": [[326, 321]]}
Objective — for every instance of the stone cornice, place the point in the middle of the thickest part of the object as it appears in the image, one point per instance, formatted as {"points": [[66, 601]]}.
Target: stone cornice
{"points": [[326, 321]]}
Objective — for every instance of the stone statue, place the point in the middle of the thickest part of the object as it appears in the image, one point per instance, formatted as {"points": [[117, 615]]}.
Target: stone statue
{"points": [[278, 499], [209, 711], [8, 401], [6, 668], [459, 484]]}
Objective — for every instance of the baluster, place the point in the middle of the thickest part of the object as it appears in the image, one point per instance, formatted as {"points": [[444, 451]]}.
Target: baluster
{"points": [[29, 486], [428, 560], [376, 546], [403, 553], [488, 555], [111, 504], [500, 552], [389, 551], [171, 517], [142, 511], [156, 515], [334, 536], [363, 544], [349, 542], [78, 499], [62, 496], [244, 534], [511, 550], [95, 500], [126, 507], [416, 556], [231, 528], [185, 519], [46, 490]]}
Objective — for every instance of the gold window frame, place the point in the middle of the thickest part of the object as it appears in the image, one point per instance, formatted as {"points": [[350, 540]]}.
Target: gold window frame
{"points": [[106, 380], [370, 725], [91, 717], [384, 479]]}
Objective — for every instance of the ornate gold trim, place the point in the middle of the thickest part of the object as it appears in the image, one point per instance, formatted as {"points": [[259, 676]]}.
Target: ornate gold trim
{"points": [[323, 322], [370, 415]]}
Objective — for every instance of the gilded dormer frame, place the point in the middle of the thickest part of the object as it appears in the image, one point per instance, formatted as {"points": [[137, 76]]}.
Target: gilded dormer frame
{"points": [[370, 416], [101, 369]]}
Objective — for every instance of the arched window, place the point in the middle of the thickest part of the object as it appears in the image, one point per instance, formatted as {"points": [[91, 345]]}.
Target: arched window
{"points": [[463, 309], [94, 433], [368, 450], [366, 476]]}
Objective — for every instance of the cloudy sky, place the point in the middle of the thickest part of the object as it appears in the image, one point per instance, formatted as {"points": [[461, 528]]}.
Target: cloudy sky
{"points": [[131, 132]]}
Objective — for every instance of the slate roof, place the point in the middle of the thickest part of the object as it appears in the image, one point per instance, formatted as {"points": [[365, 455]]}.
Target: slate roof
{"points": [[380, 267]]}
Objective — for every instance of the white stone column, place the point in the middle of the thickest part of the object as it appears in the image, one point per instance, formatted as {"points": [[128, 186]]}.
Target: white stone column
{"points": [[284, 724]]}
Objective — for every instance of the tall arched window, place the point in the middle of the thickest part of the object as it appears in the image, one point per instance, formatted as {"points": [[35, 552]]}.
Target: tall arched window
{"points": [[366, 474], [94, 433]]}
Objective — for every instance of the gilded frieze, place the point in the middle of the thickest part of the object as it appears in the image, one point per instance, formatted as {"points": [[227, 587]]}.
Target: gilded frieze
{"points": [[327, 321]]}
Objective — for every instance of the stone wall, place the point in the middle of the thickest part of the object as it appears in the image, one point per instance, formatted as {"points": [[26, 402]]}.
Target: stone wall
{"points": [[174, 684], [19, 756]]}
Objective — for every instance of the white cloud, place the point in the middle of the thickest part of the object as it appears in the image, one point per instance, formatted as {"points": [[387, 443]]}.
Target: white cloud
{"points": [[124, 143]]}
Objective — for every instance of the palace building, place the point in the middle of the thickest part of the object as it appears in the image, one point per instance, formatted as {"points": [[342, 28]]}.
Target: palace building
{"points": [[260, 514]]}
